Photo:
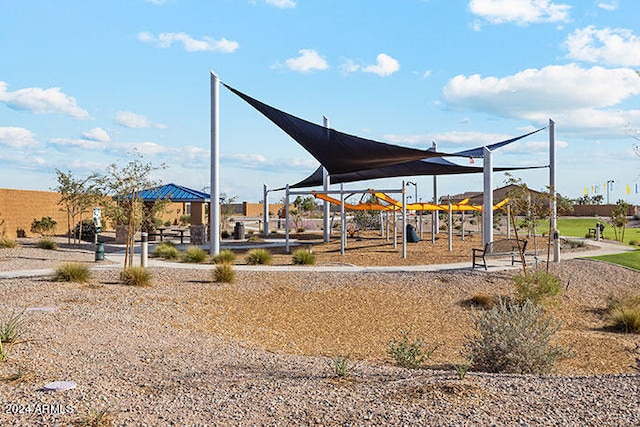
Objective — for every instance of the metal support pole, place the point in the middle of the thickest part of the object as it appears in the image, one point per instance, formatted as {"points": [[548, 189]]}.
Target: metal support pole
{"points": [[214, 210], [552, 188], [286, 219], [144, 249], [450, 227], [436, 214], [343, 222], [487, 201], [265, 210], [404, 221], [462, 224], [326, 182]]}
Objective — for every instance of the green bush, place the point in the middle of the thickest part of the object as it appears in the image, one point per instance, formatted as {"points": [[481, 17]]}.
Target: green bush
{"points": [[515, 338], [409, 353], [624, 313], [303, 257], [7, 242], [72, 272], [44, 226], [224, 273], [340, 366], [258, 256], [47, 243], [135, 276], [194, 254], [537, 286], [634, 242], [225, 256], [166, 250]]}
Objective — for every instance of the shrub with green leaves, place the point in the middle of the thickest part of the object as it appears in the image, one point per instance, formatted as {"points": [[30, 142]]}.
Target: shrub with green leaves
{"points": [[258, 256], [7, 242], [194, 255], [624, 313], [47, 243], [537, 286], [11, 327], [225, 256], [135, 276], [340, 366], [303, 257], [44, 226], [72, 272], [407, 352], [515, 338], [224, 273], [166, 250]]}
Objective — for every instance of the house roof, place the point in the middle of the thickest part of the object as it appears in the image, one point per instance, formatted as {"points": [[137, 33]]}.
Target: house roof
{"points": [[175, 193]]}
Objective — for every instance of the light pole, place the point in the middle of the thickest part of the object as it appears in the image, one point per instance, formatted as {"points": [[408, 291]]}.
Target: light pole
{"points": [[608, 185]]}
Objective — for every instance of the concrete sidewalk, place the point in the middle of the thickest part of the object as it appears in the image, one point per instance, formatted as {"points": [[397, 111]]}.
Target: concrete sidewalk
{"points": [[116, 260]]}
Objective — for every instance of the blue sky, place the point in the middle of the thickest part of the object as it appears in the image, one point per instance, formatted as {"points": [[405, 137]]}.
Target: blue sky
{"points": [[84, 83]]}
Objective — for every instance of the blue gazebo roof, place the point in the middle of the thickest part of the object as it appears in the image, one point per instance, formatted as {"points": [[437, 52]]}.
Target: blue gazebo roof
{"points": [[175, 193]]}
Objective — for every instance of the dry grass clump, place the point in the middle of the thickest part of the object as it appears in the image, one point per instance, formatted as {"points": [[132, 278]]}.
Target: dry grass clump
{"points": [[166, 250], [47, 243], [224, 273], [537, 286], [483, 300], [258, 256], [194, 255], [303, 257], [225, 256], [135, 276], [8, 242], [624, 313], [72, 272]]}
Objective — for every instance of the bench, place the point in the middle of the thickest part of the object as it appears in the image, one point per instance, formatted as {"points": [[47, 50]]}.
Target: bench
{"points": [[592, 233], [499, 248]]}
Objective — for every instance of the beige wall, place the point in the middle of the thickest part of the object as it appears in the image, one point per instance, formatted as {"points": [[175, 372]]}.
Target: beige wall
{"points": [[18, 208]]}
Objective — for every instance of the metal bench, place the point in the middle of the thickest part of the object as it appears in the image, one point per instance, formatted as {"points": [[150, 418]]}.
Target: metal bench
{"points": [[499, 248]]}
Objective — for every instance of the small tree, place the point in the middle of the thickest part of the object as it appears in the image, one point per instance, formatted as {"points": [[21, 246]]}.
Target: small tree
{"points": [[77, 196], [302, 208], [124, 206], [619, 219], [226, 209]]}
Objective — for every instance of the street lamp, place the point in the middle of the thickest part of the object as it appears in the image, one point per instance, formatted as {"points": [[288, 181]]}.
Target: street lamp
{"points": [[609, 185]]}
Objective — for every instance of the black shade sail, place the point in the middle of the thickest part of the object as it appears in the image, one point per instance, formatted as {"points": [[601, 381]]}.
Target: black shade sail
{"points": [[437, 166], [338, 152]]}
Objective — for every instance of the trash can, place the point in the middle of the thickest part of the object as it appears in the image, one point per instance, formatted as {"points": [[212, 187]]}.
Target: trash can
{"points": [[412, 236], [100, 251], [238, 231]]}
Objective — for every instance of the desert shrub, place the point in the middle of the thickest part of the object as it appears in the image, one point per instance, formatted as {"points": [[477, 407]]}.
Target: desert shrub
{"points": [[515, 338], [11, 327], [135, 276], [573, 244], [254, 238], [537, 286], [624, 313], [225, 256], [225, 234], [258, 256], [8, 242], [72, 272], [303, 257], [194, 254], [407, 352], [166, 250], [47, 243], [86, 230], [224, 273], [634, 242]]}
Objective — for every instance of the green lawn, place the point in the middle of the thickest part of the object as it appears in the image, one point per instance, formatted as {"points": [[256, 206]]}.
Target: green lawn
{"points": [[578, 227], [628, 259]]}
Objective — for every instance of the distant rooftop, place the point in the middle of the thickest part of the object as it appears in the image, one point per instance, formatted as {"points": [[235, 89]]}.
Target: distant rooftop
{"points": [[175, 193]]}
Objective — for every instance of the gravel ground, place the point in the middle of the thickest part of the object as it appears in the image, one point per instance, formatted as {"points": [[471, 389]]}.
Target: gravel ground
{"points": [[187, 352]]}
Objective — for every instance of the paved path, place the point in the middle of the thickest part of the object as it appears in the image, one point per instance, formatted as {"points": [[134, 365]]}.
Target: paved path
{"points": [[117, 259]]}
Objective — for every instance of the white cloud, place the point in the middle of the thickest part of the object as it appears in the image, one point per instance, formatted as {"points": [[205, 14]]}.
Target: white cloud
{"points": [[132, 120], [384, 66], [16, 137], [282, 4], [42, 101], [206, 44], [84, 144], [615, 46], [522, 12], [608, 5], [308, 60], [96, 134], [262, 162], [575, 96], [158, 2]]}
